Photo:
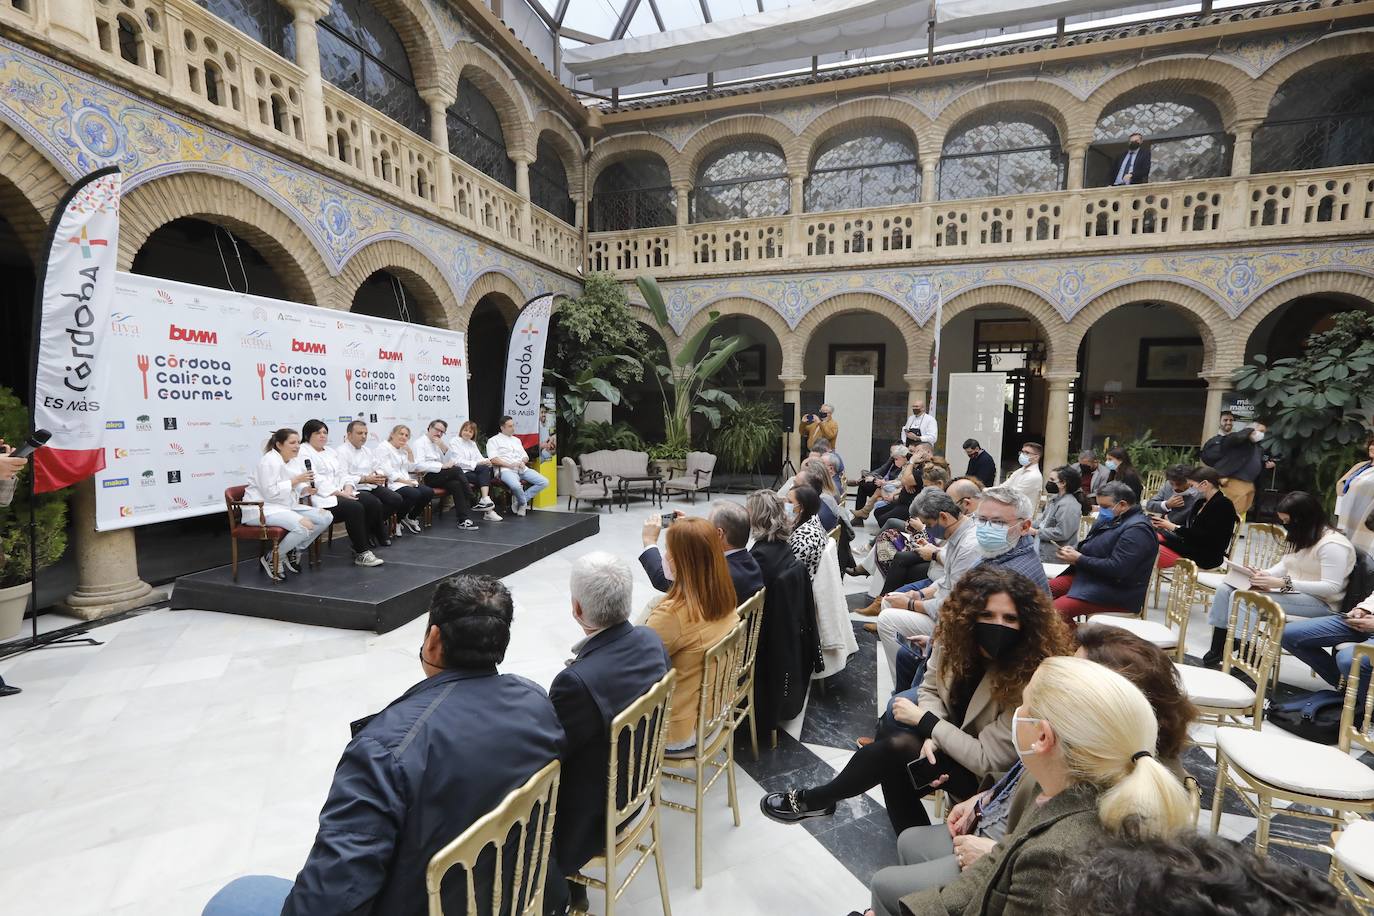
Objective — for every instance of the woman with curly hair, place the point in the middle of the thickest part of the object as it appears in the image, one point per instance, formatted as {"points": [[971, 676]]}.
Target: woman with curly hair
{"points": [[953, 731]]}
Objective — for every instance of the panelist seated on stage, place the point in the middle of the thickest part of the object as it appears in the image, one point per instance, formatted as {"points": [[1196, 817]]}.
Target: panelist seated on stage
{"points": [[508, 456], [437, 463], [359, 460], [477, 469], [334, 491], [419, 773], [280, 490], [397, 461], [731, 524]]}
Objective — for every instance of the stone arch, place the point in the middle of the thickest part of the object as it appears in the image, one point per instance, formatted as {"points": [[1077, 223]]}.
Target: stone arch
{"points": [[30, 189], [748, 308], [420, 34], [1212, 322], [491, 282], [1324, 49], [1067, 114], [1046, 317], [906, 118], [566, 141], [622, 146], [1226, 86], [722, 133], [1317, 283], [914, 338], [423, 278], [214, 198], [499, 85]]}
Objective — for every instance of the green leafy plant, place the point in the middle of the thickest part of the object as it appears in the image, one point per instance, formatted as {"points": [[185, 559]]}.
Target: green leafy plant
{"points": [[594, 437], [50, 509], [751, 431], [595, 325], [1148, 455], [685, 383], [665, 451], [590, 384]]}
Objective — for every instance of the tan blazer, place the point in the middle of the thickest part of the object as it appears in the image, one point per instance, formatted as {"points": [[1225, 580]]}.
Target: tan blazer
{"points": [[686, 642], [829, 430], [982, 743]]}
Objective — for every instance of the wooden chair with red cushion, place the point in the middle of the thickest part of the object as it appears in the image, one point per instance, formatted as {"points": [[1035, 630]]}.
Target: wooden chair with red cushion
{"points": [[239, 531], [439, 495]]}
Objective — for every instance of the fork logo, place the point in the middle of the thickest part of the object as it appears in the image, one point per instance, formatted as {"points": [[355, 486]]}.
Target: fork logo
{"points": [[143, 365]]}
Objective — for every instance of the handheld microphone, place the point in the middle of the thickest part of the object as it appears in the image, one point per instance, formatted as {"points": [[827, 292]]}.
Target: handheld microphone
{"points": [[307, 465], [39, 439]]}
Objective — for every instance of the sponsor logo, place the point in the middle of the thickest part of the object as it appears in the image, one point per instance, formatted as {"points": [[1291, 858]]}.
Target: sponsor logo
{"points": [[206, 449], [316, 323], [229, 310], [87, 244], [240, 447], [453, 360], [144, 423], [110, 482], [236, 423], [307, 346], [121, 453], [165, 296], [354, 348], [179, 503], [288, 319], [169, 423], [192, 335], [424, 357], [122, 324], [345, 325], [174, 477], [257, 339], [148, 479], [261, 314], [390, 355], [175, 449], [114, 424], [126, 511], [201, 475], [345, 419], [197, 422]]}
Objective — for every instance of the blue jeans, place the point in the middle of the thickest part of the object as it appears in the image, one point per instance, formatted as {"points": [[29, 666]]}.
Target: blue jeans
{"points": [[910, 666], [1309, 640], [914, 586], [1294, 604], [533, 480], [251, 895]]}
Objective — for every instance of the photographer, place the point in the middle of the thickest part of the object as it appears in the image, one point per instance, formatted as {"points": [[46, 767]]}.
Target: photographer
{"points": [[731, 524], [9, 469], [820, 426]]}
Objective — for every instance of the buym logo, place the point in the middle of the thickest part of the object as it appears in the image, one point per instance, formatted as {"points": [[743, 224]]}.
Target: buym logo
{"points": [[307, 346], [453, 360], [392, 355], [193, 335]]}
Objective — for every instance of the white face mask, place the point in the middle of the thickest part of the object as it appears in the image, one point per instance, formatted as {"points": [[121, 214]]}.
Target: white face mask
{"points": [[790, 509], [1256, 435], [1015, 721], [1023, 459]]}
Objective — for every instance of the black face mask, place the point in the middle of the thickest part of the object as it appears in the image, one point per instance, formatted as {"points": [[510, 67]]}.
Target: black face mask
{"points": [[1051, 488], [995, 639], [1135, 144]]}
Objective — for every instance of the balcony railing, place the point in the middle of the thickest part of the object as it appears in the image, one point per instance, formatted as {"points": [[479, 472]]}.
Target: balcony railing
{"points": [[1329, 202]]}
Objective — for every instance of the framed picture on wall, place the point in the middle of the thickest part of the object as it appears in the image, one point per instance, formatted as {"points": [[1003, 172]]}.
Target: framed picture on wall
{"points": [[1170, 362], [859, 359], [751, 365]]}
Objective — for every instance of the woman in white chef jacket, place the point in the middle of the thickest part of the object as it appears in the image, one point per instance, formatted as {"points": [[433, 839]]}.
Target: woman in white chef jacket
{"points": [[335, 489], [279, 489], [397, 462]]}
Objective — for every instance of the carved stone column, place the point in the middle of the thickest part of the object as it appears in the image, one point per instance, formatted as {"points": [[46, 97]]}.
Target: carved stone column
{"points": [[930, 185], [307, 12], [791, 394], [1078, 154], [797, 185], [106, 564], [438, 101], [1057, 420], [683, 189], [1217, 387], [1240, 154]]}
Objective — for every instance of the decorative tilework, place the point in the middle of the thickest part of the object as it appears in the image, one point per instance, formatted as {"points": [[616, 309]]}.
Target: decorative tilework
{"points": [[83, 123], [1257, 55], [451, 28]]}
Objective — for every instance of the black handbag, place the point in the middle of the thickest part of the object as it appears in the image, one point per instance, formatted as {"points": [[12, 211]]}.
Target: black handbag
{"points": [[1314, 716]]}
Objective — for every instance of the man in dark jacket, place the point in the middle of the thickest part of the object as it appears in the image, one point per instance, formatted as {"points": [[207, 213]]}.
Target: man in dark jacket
{"points": [[980, 463], [1238, 458], [615, 665], [1110, 568], [732, 527], [420, 772], [1132, 166]]}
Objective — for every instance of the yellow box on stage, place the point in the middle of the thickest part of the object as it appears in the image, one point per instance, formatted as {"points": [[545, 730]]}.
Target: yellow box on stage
{"points": [[548, 497]]}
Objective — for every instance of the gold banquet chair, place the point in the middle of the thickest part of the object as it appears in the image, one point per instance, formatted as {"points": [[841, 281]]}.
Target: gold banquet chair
{"points": [[715, 733], [1275, 766], [521, 825], [1352, 862], [751, 614], [641, 731], [1171, 634], [1253, 631]]}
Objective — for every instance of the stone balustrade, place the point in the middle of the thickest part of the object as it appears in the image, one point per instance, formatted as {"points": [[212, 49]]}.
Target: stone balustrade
{"points": [[1309, 204]]}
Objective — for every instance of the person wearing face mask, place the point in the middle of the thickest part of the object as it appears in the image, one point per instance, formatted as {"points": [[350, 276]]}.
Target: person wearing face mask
{"points": [[955, 731], [1088, 736], [1121, 470], [820, 426], [980, 463], [1204, 535], [935, 855], [1176, 497], [1110, 569], [1133, 166], [1027, 479], [1237, 456], [1308, 581], [921, 424], [1057, 525], [807, 537], [865, 494]]}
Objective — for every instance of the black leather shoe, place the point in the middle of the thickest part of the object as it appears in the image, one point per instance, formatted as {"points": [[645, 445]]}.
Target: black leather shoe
{"points": [[9, 691], [789, 807]]}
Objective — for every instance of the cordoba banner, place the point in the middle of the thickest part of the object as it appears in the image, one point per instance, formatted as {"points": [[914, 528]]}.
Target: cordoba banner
{"points": [[71, 384], [525, 367], [199, 378]]}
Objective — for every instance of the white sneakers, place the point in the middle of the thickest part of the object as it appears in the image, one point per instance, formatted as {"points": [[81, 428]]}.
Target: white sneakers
{"points": [[520, 508], [484, 503], [491, 515], [412, 524], [266, 561], [367, 558]]}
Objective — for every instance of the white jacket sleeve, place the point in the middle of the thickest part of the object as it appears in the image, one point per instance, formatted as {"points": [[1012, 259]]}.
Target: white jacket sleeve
{"points": [[272, 479], [427, 458]]}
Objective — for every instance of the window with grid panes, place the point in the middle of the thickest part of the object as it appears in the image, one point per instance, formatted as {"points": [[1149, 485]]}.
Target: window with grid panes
{"points": [[361, 53], [549, 182], [1320, 117], [999, 151], [265, 21], [475, 135], [1184, 132], [742, 182], [634, 193], [873, 168]]}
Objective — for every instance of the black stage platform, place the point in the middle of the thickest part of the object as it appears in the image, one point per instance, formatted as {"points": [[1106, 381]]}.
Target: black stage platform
{"points": [[339, 594]]}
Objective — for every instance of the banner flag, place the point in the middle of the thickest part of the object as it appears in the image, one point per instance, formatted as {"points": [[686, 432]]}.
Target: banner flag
{"points": [[71, 378], [525, 367]]}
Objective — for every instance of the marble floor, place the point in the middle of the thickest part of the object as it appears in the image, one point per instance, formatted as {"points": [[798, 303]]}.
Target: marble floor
{"points": [[192, 747]]}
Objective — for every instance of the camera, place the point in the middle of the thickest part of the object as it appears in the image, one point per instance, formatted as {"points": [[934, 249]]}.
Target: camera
{"points": [[668, 518]]}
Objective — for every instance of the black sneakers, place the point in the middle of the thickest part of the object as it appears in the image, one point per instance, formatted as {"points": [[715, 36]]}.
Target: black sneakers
{"points": [[790, 807]]}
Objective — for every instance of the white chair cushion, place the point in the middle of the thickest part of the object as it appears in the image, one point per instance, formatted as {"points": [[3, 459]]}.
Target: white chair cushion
{"points": [[1297, 765], [1355, 849], [1212, 688], [1211, 580], [1148, 630]]}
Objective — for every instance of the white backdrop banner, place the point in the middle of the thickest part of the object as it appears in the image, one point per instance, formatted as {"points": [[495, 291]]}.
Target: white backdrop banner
{"points": [[200, 377], [525, 367]]}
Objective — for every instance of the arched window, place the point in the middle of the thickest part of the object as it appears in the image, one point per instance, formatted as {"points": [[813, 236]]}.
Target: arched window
{"points": [[741, 182], [549, 182], [130, 40], [633, 193], [998, 151], [875, 168], [1184, 132], [474, 134], [361, 53], [265, 21], [1320, 117]]}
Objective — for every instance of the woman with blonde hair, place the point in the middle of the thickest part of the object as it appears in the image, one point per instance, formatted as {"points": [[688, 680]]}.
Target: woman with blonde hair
{"points": [[697, 612], [397, 461], [1088, 736]]}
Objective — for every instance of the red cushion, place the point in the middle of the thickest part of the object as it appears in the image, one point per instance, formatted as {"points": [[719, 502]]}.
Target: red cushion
{"points": [[254, 532], [235, 493], [439, 492]]}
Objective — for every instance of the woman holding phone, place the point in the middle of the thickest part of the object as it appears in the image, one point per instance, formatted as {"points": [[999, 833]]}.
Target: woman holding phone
{"points": [[1204, 536], [279, 489]]}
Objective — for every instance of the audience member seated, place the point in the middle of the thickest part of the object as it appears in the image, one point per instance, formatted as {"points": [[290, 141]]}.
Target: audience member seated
{"points": [[1110, 570], [815, 473], [956, 731], [1027, 479], [934, 855], [419, 773], [1057, 525], [882, 483], [477, 469], [437, 462], [1190, 874], [898, 505], [511, 461], [1175, 497], [360, 462], [273, 484], [1311, 641], [911, 566], [397, 461], [614, 664], [1308, 581], [807, 538], [1355, 500], [731, 524], [697, 613], [1093, 472], [332, 491], [1122, 471], [1087, 735], [1204, 535], [836, 462], [980, 463]]}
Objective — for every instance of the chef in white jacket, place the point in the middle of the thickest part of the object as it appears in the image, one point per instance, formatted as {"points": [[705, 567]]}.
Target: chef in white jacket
{"points": [[335, 489], [396, 460], [476, 467], [438, 466], [358, 458], [279, 489]]}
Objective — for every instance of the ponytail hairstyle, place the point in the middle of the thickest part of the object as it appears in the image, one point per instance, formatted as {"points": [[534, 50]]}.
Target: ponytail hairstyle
{"points": [[278, 438], [1107, 737]]}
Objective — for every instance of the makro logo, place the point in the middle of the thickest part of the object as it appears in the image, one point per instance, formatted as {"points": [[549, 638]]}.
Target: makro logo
{"points": [[453, 360], [111, 482], [307, 346], [114, 424], [193, 335], [122, 324], [390, 355], [175, 449]]}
